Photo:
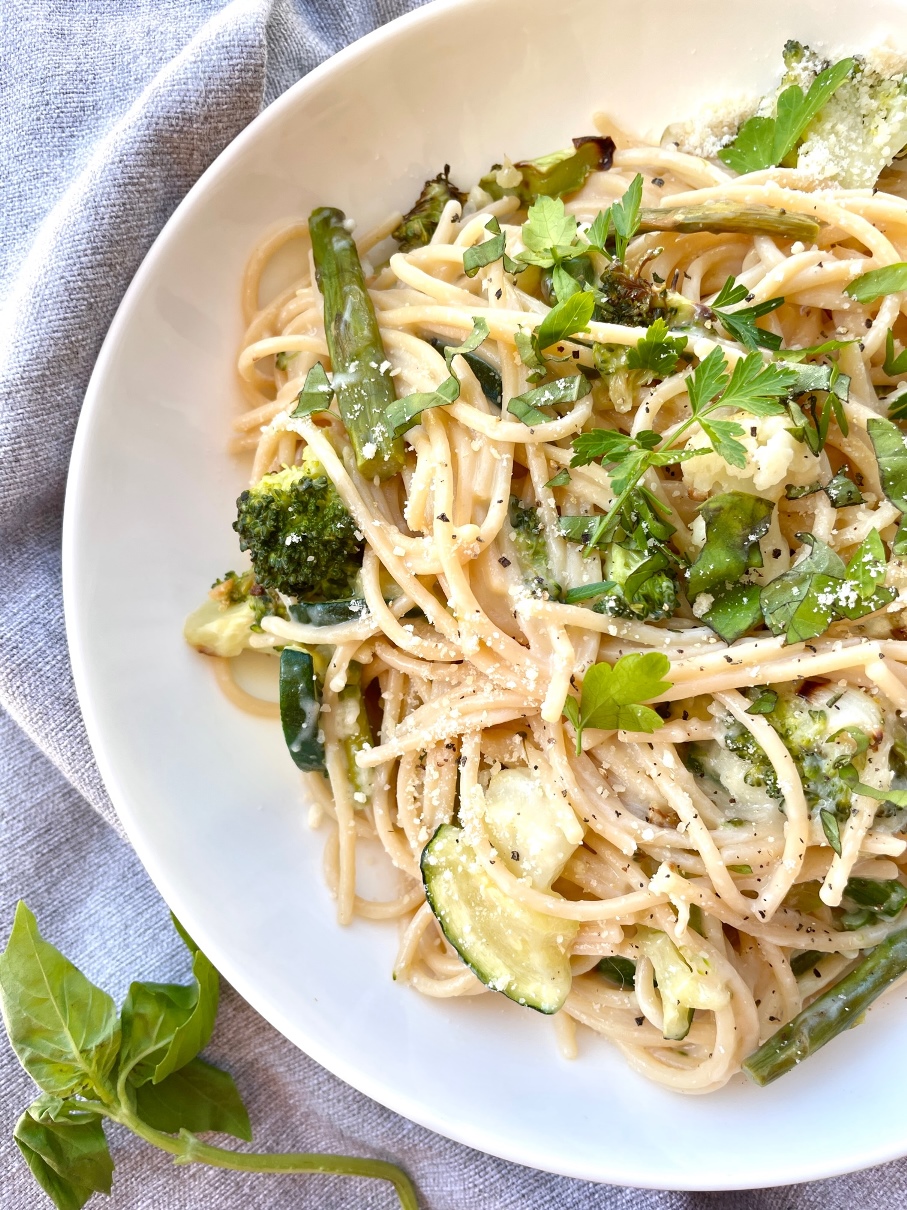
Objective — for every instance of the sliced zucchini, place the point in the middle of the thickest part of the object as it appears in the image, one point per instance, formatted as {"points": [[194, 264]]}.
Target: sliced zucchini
{"points": [[619, 971], [300, 709], [218, 629], [685, 981], [355, 733], [511, 948]]}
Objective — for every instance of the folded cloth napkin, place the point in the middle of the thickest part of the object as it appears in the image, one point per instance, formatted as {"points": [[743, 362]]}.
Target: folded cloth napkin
{"points": [[112, 108]]}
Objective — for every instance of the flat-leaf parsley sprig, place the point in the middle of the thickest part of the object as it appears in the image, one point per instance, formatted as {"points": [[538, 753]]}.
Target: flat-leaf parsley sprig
{"points": [[611, 696], [138, 1068]]}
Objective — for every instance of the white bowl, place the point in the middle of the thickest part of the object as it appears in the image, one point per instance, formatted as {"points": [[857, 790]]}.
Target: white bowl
{"points": [[207, 794]]}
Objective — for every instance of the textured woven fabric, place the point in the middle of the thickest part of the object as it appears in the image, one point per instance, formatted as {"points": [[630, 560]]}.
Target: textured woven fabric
{"points": [[111, 109]]}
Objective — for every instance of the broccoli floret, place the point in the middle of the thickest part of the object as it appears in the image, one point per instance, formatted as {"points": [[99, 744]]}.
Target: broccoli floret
{"points": [[301, 538], [624, 298], [639, 564], [859, 131], [233, 611], [418, 225], [528, 538]]}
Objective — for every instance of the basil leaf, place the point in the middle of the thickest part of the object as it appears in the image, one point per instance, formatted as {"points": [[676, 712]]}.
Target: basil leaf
{"points": [[70, 1151], [150, 1016], [800, 603], [842, 491], [565, 319], [794, 492], [577, 529], [198, 1097], [764, 703], [827, 346], [734, 612], [831, 829], [587, 592], [890, 447], [894, 365], [795, 112], [878, 282], [561, 479], [734, 524], [486, 253], [316, 393], [471, 343], [194, 1033], [866, 568], [849, 776], [63, 1029], [402, 412], [563, 390]]}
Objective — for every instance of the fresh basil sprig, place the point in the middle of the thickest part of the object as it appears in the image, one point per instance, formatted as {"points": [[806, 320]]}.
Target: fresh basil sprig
{"points": [[611, 697], [138, 1068]]}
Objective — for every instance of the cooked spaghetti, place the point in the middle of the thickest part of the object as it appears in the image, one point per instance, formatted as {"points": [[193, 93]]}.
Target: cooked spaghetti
{"points": [[613, 660]]}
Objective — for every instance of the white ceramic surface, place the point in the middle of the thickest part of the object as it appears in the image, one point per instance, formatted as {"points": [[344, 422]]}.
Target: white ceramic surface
{"points": [[207, 794]]}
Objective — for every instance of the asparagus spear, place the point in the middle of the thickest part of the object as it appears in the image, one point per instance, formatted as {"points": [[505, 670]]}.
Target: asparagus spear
{"points": [[838, 1007], [729, 218], [364, 387]]}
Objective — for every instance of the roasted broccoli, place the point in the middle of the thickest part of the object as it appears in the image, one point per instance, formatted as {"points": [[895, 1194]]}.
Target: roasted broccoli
{"points": [[302, 540], [639, 564], [528, 540], [418, 225], [233, 611], [553, 175]]}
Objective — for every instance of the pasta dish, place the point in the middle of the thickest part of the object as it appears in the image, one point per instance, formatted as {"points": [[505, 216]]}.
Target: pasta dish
{"points": [[575, 522]]}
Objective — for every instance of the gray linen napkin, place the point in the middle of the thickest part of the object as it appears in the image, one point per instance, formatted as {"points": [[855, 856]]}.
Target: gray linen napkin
{"points": [[111, 109]]}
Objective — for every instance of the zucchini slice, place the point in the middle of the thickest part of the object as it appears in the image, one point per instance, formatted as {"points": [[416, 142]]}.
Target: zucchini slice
{"points": [[300, 709], [511, 948], [685, 981]]}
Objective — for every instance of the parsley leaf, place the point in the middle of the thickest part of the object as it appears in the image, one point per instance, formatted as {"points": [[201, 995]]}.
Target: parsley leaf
{"points": [[402, 413], [549, 233], [741, 324], [611, 697], [734, 523], [564, 283], [764, 703], [763, 142], [832, 829], [625, 216], [567, 318], [657, 353], [486, 253], [722, 434], [890, 447], [316, 393], [894, 365], [563, 390], [561, 479], [878, 282]]}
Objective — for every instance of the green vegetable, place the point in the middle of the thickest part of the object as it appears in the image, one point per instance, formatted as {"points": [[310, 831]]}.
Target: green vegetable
{"points": [[685, 981], [891, 454], [328, 613], [611, 696], [402, 413], [878, 282], [526, 407], [735, 612], [729, 217], [764, 703], [835, 1010], [762, 142], [300, 536], [528, 539], [734, 523], [316, 393], [842, 491], [556, 174], [418, 225], [300, 709], [511, 948], [490, 250], [138, 1069], [806, 960], [564, 320], [354, 732], [883, 897], [803, 602], [741, 324], [894, 365], [364, 387], [657, 353], [621, 971], [223, 624]]}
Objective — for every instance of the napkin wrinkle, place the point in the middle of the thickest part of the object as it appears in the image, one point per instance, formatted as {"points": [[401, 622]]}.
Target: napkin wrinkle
{"points": [[112, 109]]}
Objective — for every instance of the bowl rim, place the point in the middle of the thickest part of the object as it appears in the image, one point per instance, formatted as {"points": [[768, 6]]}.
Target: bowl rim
{"points": [[334, 1061]]}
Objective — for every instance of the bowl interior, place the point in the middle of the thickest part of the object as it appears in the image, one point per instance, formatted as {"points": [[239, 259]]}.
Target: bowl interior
{"points": [[207, 794]]}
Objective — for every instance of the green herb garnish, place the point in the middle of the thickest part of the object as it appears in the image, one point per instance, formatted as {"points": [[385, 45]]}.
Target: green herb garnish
{"points": [[611, 697]]}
